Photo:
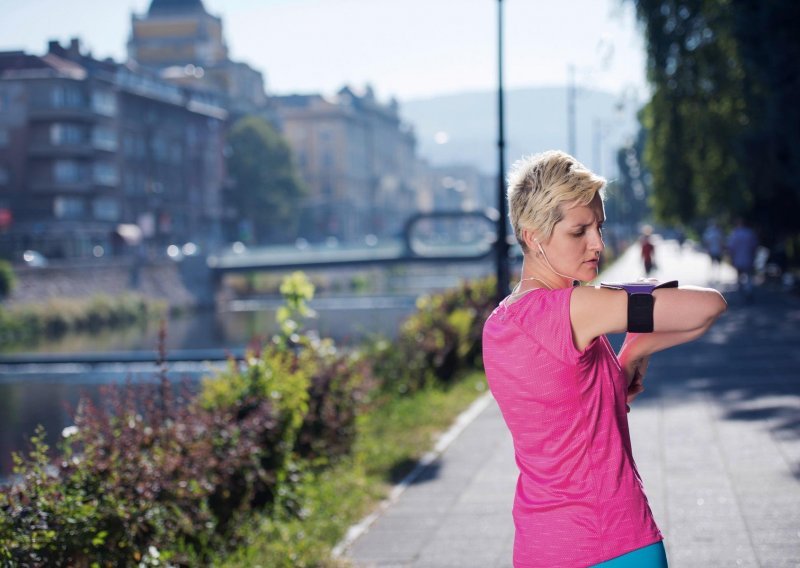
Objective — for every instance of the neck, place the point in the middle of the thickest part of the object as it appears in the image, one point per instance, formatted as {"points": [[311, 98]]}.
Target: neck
{"points": [[537, 267], [541, 279]]}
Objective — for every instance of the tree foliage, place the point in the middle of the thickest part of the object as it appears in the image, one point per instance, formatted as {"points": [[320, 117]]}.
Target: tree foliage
{"points": [[267, 191], [627, 202], [723, 121]]}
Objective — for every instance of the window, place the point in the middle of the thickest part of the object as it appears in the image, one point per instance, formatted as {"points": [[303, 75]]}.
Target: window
{"points": [[66, 171], [3, 137], [176, 154], [104, 102], [104, 137], [129, 183], [3, 175], [66, 96], [68, 207], [141, 147], [105, 209], [128, 144], [63, 134], [105, 173]]}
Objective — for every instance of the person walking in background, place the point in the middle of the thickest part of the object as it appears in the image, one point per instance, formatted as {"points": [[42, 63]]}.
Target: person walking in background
{"points": [[562, 390], [742, 246], [680, 236], [714, 242], [648, 250]]}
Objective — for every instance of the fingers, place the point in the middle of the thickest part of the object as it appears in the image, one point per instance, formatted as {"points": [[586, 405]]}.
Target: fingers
{"points": [[633, 394], [634, 390]]}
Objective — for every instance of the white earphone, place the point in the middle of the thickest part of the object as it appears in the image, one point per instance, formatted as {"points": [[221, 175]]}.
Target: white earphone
{"points": [[550, 266]]}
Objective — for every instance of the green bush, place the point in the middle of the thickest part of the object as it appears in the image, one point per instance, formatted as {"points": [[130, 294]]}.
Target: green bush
{"points": [[149, 477], [7, 278], [146, 476], [440, 339], [28, 323]]}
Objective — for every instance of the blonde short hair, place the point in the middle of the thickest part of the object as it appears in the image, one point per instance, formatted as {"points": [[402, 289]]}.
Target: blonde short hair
{"points": [[539, 185]]}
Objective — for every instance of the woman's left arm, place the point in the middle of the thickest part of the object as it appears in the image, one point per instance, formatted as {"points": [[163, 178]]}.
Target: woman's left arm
{"points": [[640, 345], [634, 355]]}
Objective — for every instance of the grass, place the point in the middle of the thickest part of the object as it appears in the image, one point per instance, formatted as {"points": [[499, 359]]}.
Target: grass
{"points": [[391, 438]]}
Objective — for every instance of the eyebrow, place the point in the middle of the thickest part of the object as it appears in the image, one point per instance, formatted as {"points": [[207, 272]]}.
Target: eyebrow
{"points": [[584, 225]]}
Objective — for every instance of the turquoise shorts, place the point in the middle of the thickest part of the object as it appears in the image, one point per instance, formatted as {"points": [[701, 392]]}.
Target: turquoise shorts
{"points": [[652, 556]]}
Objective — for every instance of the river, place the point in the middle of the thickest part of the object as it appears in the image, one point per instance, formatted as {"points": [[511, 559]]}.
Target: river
{"points": [[47, 394]]}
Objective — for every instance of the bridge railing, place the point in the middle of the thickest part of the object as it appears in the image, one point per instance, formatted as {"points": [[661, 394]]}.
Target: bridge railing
{"points": [[438, 236]]}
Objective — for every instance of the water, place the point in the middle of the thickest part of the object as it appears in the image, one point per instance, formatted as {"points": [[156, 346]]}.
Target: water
{"points": [[47, 394]]}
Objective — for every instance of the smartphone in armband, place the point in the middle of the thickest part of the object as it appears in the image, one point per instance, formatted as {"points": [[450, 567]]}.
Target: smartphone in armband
{"points": [[640, 301]]}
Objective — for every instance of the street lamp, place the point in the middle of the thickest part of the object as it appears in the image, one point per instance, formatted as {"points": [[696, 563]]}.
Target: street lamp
{"points": [[501, 245]]}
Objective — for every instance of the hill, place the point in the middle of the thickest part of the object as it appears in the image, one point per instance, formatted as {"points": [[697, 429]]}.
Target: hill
{"points": [[536, 120]]}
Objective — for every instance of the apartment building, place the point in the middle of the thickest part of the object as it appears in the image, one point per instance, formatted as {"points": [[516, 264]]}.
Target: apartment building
{"points": [[98, 156]]}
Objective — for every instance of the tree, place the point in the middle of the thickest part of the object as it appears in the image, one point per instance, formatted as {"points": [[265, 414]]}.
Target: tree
{"points": [[267, 191], [627, 202], [723, 124]]}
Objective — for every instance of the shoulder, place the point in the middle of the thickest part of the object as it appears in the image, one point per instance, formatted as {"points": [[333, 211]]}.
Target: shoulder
{"points": [[595, 311]]}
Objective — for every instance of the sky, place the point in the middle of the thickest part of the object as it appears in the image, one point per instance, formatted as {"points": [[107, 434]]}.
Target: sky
{"points": [[408, 49]]}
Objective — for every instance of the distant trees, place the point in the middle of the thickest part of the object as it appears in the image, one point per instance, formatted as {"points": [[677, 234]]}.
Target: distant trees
{"points": [[724, 121], [267, 191], [628, 195]]}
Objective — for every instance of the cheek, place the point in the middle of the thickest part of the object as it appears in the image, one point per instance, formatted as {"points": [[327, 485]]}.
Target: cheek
{"points": [[570, 248]]}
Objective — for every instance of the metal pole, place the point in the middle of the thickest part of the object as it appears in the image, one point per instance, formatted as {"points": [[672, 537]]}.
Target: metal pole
{"points": [[571, 109], [502, 234]]}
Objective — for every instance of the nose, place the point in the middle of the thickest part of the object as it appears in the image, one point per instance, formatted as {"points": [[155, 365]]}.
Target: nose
{"points": [[596, 243]]}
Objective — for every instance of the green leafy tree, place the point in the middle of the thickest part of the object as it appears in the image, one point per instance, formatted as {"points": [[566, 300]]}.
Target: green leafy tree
{"points": [[267, 191], [628, 195], [723, 122]]}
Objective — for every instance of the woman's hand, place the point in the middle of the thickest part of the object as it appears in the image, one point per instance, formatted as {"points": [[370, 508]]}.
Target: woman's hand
{"points": [[635, 371], [634, 365]]}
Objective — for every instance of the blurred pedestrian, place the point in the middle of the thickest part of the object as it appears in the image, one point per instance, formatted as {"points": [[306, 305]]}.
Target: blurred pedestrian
{"points": [[714, 242], [648, 250], [742, 246], [680, 235], [561, 388]]}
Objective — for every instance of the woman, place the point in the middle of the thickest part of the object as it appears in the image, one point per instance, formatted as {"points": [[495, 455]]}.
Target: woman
{"points": [[562, 390]]}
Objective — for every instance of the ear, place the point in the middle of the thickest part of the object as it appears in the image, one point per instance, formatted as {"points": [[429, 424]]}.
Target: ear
{"points": [[530, 237]]}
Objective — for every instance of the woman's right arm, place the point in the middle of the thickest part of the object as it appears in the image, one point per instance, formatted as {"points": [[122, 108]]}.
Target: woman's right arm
{"points": [[679, 315]]}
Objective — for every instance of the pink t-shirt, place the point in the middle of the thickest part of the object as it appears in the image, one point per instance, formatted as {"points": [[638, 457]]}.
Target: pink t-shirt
{"points": [[579, 498]]}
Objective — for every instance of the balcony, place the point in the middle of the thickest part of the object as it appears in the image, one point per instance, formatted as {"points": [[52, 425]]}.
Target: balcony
{"points": [[44, 185], [73, 150], [61, 113]]}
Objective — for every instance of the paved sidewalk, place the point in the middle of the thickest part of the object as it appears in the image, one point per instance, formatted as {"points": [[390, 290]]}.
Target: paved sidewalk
{"points": [[716, 436]]}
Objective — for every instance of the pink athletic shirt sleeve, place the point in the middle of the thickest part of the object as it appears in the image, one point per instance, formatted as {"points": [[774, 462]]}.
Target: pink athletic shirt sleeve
{"points": [[579, 498]]}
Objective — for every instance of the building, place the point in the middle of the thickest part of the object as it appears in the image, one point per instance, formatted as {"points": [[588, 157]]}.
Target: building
{"points": [[97, 155], [358, 159], [186, 45], [456, 187], [355, 154]]}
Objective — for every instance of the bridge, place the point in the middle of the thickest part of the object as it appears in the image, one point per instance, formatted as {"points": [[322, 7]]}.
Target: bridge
{"points": [[438, 237]]}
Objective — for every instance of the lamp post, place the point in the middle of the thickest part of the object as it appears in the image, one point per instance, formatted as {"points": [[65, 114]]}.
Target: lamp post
{"points": [[501, 245], [571, 93]]}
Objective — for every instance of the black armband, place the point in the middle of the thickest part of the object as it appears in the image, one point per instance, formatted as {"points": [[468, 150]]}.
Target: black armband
{"points": [[640, 302]]}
